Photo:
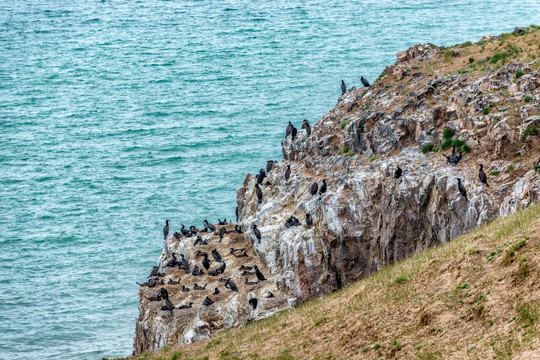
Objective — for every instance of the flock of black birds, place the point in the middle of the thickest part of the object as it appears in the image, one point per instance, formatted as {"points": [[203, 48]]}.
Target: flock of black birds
{"points": [[156, 275]]}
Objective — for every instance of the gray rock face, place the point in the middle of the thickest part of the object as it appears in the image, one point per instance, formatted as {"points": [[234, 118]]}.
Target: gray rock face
{"points": [[366, 218]]}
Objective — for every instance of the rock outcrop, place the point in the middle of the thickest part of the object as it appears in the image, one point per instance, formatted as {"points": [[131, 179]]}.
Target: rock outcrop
{"points": [[366, 219]]}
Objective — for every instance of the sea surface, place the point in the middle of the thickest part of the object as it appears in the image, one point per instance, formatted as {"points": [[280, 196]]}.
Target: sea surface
{"points": [[118, 114]]}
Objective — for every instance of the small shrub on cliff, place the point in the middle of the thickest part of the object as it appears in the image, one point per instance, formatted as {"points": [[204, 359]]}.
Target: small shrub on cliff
{"points": [[343, 124], [447, 133], [527, 98], [457, 142], [485, 110], [400, 279], [344, 150], [527, 313], [471, 60], [177, 355], [436, 149], [537, 168], [373, 158], [519, 73], [531, 130], [495, 172], [427, 148], [446, 144], [447, 55], [509, 168]]}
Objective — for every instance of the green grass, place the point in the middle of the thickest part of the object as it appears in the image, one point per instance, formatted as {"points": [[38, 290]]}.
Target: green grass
{"points": [[531, 130], [176, 355], [373, 158], [400, 279], [471, 60], [446, 144], [427, 148], [519, 73], [447, 133], [344, 150], [527, 313], [485, 110], [527, 98], [495, 172], [457, 142], [509, 168], [343, 124]]}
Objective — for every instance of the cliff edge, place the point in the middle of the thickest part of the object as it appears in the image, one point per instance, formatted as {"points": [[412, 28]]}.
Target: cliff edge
{"points": [[481, 99]]}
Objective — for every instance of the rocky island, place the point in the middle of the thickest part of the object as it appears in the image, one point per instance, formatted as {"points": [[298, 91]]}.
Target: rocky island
{"points": [[437, 114]]}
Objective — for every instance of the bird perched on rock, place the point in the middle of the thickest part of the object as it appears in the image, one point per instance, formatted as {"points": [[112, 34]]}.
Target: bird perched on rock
{"points": [[211, 227], [309, 220], [168, 306], [166, 229], [231, 285], [313, 189], [259, 193], [305, 125], [154, 298], [322, 190], [364, 82], [253, 303], [287, 173], [200, 240], [184, 231], [193, 230], [207, 301], [216, 255], [269, 165], [260, 177], [292, 221], [259, 274], [222, 232], [196, 271], [482, 175], [221, 269], [181, 307], [164, 293], [237, 229], [205, 262], [216, 291], [343, 87], [398, 173], [184, 289], [461, 189], [256, 232], [197, 287], [289, 129]]}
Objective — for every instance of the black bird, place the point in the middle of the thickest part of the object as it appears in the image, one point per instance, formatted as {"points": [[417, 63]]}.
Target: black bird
{"points": [[313, 189], [168, 306], [289, 129], [288, 173], [482, 175], [231, 285], [184, 264], [269, 295], [294, 132], [261, 176], [256, 232], [269, 165], [222, 232], [244, 254], [292, 221], [364, 82], [205, 230], [216, 291], [343, 87], [200, 253], [309, 220], [209, 226], [213, 272], [236, 213], [205, 262], [194, 230], [184, 289], [462, 189], [221, 269], [243, 267], [398, 173], [207, 301], [172, 262], [172, 282], [196, 271], [216, 255], [200, 240], [305, 125], [224, 222], [197, 287], [237, 229], [177, 235], [154, 298], [185, 232], [164, 293], [259, 193], [233, 250], [249, 282], [223, 280], [155, 271], [259, 274], [185, 306], [322, 190], [166, 229], [247, 273], [253, 302]]}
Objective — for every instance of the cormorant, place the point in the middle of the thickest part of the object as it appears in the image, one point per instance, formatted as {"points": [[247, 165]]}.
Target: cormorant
{"points": [[237, 229], [183, 262], [259, 193], [171, 282], [269, 165], [184, 289], [168, 306], [164, 293], [269, 295], [197, 287], [322, 190], [166, 229], [398, 173], [185, 306], [222, 232], [205, 262], [185, 232], [364, 82], [194, 230], [482, 175], [209, 226], [216, 255], [196, 271], [294, 132], [292, 221], [253, 302], [244, 254], [244, 267], [233, 250], [462, 189], [177, 235], [247, 273], [200, 240], [173, 261], [155, 271], [221, 269], [288, 173], [259, 274], [256, 232], [154, 298], [261, 176], [305, 125], [231, 285], [343, 87], [216, 291], [249, 282], [313, 189], [309, 220], [236, 213], [288, 131], [207, 301]]}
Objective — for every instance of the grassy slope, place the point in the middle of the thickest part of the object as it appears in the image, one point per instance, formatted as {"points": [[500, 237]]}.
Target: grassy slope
{"points": [[476, 297]]}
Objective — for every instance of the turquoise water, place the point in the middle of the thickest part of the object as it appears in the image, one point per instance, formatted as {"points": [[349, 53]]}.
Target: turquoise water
{"points": [[115, 115]]}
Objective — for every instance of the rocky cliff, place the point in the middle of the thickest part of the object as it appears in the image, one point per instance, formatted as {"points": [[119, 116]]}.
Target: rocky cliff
{"points": [[483, 99]]}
